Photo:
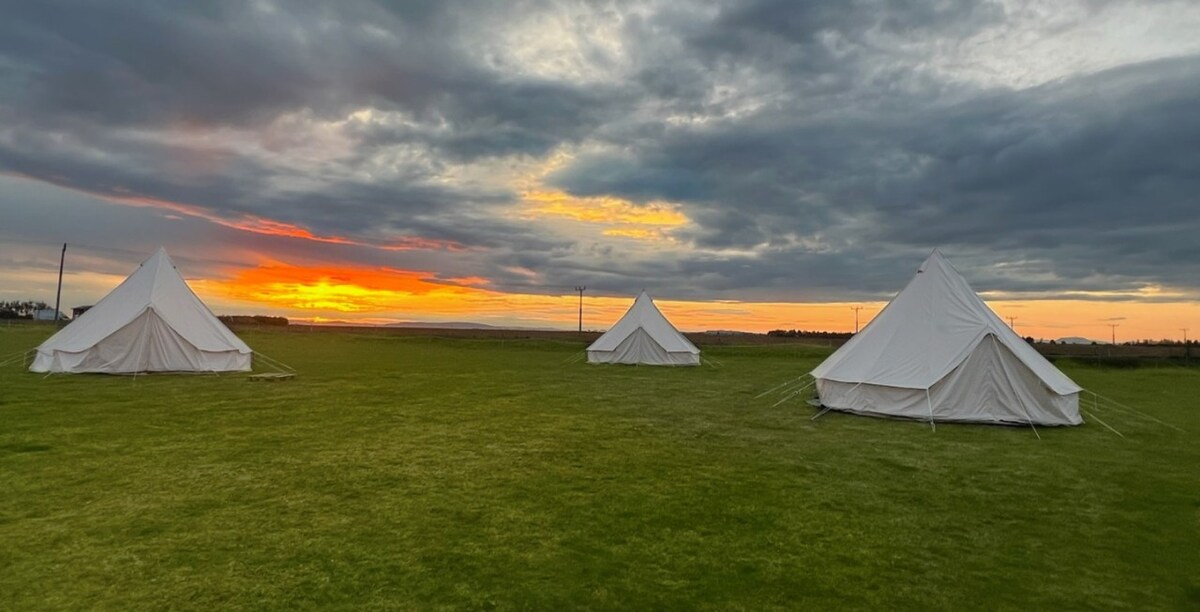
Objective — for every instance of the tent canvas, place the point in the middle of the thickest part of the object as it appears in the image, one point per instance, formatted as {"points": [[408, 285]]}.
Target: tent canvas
{"points": [[644, 336], [152, 322], [937, 352]]}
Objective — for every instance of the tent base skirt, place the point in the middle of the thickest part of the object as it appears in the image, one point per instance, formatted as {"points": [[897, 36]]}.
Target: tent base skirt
{"points": [[823, 409], [990, 386], [953, 405], [641, 349], [146, 344]]}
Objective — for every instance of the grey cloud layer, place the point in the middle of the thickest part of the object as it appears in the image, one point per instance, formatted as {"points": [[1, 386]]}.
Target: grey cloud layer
{"points": [[816, 149]]}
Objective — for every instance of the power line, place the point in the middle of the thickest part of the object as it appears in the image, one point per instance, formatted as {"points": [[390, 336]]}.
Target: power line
{"points": [[1010, 323], [856, 309], [1114, 327]]}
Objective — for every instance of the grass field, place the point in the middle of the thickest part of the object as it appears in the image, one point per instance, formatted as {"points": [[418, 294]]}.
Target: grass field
{"points": [[424, 473]]}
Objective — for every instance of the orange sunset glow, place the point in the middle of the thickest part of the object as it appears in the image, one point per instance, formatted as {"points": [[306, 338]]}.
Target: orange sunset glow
{"points": [[619, 218], [608, 210], [270, 227], [382, 295], [343, 290]]}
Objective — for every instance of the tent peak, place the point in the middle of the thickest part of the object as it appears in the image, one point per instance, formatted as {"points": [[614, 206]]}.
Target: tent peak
{"points": [[159, 256], [937, 261]]}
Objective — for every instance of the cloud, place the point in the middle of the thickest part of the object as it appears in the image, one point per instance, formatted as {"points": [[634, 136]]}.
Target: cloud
{"points": [[1089, 176]]}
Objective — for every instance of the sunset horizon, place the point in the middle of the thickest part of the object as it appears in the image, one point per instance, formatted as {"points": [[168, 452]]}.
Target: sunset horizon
{"points": [[390, 163], [325, 295]]}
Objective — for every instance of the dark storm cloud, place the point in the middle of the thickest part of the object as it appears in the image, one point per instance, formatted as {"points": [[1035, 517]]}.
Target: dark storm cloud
{"points": [[527, 118], [811, 37], [88, 81], [234, 63], [233, 187], [1092, 175]]}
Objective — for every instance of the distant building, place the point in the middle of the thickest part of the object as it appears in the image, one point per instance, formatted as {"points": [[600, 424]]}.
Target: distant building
{"points": [[78, 310], [47, 314]]}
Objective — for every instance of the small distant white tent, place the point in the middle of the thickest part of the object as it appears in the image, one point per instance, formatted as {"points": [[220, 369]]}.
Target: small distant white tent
{"points": [[938, 353], [152, 322], [644, 336]]}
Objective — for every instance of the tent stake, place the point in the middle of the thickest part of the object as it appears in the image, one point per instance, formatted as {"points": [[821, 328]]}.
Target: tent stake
{"points": [[930, 402]]}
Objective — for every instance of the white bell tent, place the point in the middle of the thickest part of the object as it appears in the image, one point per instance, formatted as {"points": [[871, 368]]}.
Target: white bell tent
{"points": [[644, 336], [152, 322], [938, 353]]}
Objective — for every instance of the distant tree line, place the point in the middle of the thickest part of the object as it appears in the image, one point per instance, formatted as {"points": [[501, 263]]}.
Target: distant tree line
{"points": [[801, 333], [17, 309], [252, 320]]}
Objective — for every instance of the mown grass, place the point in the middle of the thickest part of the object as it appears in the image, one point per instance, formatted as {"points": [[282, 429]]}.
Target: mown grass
{"points": [[420, 473]]}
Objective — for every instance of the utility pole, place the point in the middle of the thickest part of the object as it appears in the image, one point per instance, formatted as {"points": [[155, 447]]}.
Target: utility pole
{"points": [[1187, 353], [1010, 323], [580, 289], [1114, 327], [58, 299], [856, 309]]}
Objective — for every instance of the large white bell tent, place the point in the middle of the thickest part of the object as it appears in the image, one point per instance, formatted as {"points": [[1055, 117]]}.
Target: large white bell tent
{"points": [[152, 322], [938, 353], [644, 336]]}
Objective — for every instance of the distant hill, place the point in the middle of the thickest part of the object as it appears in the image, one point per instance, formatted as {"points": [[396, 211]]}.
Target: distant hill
{"points": [[446, 325], [1077, 340], [458, 325]]}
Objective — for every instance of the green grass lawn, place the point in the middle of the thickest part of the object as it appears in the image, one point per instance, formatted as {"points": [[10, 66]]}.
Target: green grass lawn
{"points": [[408, 472]]}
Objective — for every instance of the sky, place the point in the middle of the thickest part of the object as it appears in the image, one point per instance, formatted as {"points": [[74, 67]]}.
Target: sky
{"points": [[754, 165]]}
